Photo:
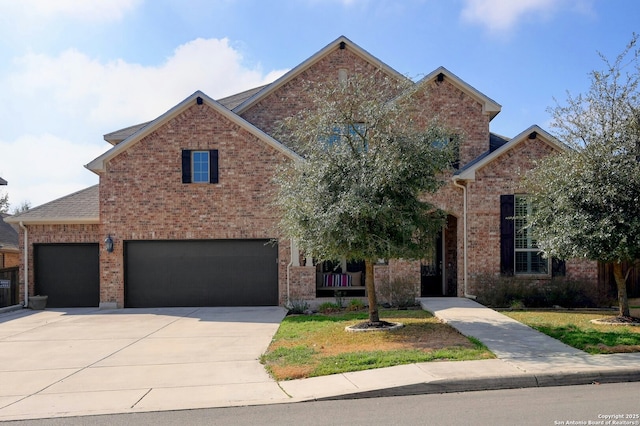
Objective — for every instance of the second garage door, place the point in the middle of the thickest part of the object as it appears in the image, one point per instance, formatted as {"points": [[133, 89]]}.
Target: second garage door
{"points": [[201, 273]]}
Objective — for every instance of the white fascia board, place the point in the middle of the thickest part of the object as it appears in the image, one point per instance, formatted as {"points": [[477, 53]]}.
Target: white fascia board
{"points": [[98, 165], [470, 173], [309, 62], [488, 105]]}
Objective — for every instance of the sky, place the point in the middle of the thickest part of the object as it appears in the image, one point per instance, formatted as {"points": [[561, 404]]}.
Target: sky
{"points": [[74, 70]]}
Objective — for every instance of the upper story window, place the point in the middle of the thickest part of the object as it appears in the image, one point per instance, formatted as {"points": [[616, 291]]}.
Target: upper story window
{"points": [[200, 166], [346, 132]]}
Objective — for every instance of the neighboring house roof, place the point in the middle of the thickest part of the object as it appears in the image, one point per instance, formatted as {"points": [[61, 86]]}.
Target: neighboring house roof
{"points": [[468, 172], [310, 62], [2, 181], [488, 105], [82, 207], [8, 235], [98, 165]]}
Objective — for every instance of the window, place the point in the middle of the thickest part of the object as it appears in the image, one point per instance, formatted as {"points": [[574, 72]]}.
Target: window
{"points": [[200, 166], [350, 131], [528, 258], [519, 252]]}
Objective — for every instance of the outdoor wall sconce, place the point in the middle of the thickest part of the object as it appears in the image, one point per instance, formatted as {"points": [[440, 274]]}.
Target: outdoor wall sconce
{"points": [[108, 242]]}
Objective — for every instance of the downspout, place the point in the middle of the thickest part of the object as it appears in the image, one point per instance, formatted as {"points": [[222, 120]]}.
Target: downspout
{"points": [[464, 241], [26, 264]]}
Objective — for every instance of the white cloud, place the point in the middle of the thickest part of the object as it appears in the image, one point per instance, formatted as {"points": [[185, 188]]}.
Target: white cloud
{"points": [[118, 93], [87, 10], [41, 168], [62, 104], [503, 15]]}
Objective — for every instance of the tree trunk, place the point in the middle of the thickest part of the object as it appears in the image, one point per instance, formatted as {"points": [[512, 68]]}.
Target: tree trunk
{"points": [[371, 291], [621, 283]]}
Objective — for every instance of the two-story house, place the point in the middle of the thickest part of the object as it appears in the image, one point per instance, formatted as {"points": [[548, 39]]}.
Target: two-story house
{"points": [[183, 213]]}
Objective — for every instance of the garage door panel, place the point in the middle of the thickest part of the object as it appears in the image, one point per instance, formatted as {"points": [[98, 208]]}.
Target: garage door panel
{"points": [[201, 273], [69, 274]]}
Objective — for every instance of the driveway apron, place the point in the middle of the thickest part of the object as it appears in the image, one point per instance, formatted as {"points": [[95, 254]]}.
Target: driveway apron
{"points": [[86, 361]]}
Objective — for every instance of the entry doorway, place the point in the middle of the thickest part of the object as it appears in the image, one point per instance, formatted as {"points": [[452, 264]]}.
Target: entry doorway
{"points": [[431, 277]]}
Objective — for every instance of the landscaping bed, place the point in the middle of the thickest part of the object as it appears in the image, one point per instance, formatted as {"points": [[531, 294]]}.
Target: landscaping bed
{"points": [[317, 344]]}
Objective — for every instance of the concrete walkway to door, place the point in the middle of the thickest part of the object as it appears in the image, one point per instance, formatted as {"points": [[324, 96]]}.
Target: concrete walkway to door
{"points": [[85, 361]]}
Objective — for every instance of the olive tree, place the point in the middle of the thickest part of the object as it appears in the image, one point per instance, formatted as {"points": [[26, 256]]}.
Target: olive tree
{"points": [[356, 193], [587, 199]]}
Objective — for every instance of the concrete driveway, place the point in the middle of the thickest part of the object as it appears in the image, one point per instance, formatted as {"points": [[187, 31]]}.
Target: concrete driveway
{"points": [[85, 361]]}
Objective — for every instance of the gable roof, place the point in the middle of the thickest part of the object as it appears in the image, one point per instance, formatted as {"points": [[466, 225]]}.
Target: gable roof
{"points": [[8, 235], [98, 164], [340, 42], [468, 172], [230, 102], [81, 207], [488, 105]]}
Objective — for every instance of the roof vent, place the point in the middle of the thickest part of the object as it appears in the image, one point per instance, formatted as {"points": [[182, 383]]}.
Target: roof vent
{"points": [[199, 100], [343, 45], [533, 135], [440, 78]]}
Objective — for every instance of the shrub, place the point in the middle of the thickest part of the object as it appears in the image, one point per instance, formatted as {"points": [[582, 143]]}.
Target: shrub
{"points": [[400, 292], [297, 306], [329, 307], [355, 305], [504, 292]]}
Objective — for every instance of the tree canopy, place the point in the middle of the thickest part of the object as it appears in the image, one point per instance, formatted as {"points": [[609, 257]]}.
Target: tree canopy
{"points": [[587, 199], [357, 191]]}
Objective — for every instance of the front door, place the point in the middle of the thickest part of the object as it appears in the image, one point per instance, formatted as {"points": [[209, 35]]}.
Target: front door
{"points": [[431, 283]]}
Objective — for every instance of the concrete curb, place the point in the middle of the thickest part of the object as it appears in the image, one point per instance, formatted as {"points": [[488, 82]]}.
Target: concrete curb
{"points": [[497, 383], [10, 308]]}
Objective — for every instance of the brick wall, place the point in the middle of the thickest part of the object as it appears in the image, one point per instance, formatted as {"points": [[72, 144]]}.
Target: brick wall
{"points": [[50, 234], [143, 197]]}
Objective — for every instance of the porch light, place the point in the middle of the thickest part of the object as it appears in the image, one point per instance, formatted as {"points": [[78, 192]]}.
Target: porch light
{"points": [[108, 242]]}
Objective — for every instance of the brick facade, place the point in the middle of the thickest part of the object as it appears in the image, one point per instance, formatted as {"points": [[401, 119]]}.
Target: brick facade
{"points": [[142, 196]]}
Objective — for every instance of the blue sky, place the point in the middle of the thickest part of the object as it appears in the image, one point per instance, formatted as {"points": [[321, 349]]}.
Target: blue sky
{"points": [[73, 70]]}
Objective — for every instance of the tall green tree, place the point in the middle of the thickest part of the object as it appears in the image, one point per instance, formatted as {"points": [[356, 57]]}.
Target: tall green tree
{"points": [[587, 199], [357, 191]]}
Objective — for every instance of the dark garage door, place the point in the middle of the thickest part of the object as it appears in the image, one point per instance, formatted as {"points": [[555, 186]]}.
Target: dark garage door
{"points": [[201, 273], [68, 273]]}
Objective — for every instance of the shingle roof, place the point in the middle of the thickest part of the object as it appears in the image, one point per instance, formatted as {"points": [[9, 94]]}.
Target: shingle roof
{"points": [[8, 235], [81, 207], [230, 102], [2, 181]]}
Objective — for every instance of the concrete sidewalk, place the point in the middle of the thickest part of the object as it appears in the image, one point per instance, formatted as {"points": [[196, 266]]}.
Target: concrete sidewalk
{"points": [[87, 362], [526, 358]]}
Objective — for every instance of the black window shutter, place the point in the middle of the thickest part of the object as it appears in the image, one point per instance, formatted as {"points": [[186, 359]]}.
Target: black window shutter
{"points": [[507, 248], [186, 166], [558, 268], [213, 166]]}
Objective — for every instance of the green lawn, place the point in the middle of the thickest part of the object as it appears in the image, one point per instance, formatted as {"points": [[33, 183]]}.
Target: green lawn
{"points": [[575, 329], [318, 345]]}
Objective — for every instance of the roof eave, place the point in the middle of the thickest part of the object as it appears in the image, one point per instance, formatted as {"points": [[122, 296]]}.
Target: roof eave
{"points": [[98, 165], [308, 63], [470, 173], [489, 106], [55, 221]]}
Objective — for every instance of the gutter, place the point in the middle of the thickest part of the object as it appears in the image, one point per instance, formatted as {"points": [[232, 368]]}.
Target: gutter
{"points": [[25, 268], [464, 224]]}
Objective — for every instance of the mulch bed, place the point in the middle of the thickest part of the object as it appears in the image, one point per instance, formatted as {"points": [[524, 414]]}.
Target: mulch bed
{"points": [[618, 320]]}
